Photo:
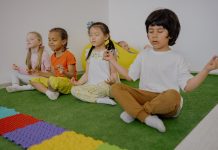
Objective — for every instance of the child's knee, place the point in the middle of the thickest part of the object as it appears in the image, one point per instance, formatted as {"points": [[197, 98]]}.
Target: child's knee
{"points": [[174, 95], [53, 83], [33, 81], [60, 84], [173, 92], [115, 87], [74, 91]]}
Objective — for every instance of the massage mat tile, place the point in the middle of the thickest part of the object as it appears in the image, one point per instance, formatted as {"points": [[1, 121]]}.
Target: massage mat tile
{"points": [[33, 134], [14, 122], [68, 140], [6, 112]]}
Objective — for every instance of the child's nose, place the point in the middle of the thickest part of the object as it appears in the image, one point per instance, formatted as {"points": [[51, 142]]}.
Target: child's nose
{"points": [[93, 38], [155, 34]]}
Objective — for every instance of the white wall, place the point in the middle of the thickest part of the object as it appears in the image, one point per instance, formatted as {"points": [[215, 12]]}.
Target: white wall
{"points": [[17, 17], [197, 40], [199, 26]]}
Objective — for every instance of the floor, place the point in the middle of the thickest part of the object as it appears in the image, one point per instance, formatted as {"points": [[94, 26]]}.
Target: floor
{"points": [[204, 136]]}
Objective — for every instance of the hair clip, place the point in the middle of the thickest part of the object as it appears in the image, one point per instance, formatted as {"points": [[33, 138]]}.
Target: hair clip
{"points": [[88, 24]]}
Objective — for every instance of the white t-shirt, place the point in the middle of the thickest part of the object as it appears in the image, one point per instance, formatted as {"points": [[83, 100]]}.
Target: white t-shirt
{"points": [[160, 71], [99, 69]]}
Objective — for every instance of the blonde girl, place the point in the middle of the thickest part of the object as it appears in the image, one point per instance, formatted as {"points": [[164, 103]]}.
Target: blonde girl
{"points": [[37, 60]]}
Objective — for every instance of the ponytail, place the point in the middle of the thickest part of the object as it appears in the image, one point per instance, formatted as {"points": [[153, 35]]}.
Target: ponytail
{"points": [[39, 60], [28, 59], [110, 46], [90, 52]]}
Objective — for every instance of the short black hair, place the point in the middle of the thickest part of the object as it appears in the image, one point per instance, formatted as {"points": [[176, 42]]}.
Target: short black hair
{"points": [[166, 18]]}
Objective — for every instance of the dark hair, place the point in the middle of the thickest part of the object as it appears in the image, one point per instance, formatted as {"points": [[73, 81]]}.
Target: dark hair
{"points": [[63, 34], [104, 28], [166, 18]]}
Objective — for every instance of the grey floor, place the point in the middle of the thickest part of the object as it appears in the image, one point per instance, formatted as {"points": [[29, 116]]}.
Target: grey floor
{"points": [[204, 136]]}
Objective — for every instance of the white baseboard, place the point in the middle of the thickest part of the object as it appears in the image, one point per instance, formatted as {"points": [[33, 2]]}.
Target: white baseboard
{"points": [[4, 85]]}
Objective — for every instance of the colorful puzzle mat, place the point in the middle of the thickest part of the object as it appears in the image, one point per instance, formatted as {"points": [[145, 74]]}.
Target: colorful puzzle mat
{"points": [[5, 112], [34, 134], [14, 122]]}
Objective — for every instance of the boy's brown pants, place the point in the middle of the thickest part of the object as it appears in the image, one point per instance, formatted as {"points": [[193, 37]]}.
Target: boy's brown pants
{"points": [[140, 103]]}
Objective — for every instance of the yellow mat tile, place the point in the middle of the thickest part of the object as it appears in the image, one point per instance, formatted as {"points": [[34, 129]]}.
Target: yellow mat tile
{"points": [[68, 140]]}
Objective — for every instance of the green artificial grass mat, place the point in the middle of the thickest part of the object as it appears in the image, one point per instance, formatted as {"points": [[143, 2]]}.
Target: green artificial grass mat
{"points": [[102, 121]]}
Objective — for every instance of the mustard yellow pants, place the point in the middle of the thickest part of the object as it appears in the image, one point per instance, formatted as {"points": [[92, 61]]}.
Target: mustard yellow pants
{"points": [[139, 103]]}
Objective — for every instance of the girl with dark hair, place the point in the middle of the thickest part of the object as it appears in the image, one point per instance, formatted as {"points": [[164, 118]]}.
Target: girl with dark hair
{"points": [[94, 85]]}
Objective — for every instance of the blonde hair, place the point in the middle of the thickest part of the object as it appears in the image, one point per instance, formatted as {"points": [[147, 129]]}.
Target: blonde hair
{"points": [[40, 51]]}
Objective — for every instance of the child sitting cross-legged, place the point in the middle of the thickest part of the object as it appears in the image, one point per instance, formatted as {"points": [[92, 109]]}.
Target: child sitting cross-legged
{"points": [[63, 66], [94, 85]]}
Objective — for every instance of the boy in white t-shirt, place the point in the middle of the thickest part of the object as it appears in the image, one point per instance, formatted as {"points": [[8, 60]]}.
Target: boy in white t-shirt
{"points": [[162, 73]]}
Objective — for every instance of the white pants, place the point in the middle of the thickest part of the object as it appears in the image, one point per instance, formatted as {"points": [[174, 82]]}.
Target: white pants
{"points": [[90, 93], [17, 77]]}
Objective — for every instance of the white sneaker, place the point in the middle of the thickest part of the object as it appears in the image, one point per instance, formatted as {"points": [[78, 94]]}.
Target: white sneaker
{"points": [[126, 117], [154, 122], [105, 100], [16, 87], [52, 95], [12, 88]]}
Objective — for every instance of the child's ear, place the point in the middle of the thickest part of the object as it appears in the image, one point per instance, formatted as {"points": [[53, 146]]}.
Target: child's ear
{"points": [[169, 37], [64, 42], [107, 37]]}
